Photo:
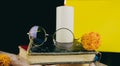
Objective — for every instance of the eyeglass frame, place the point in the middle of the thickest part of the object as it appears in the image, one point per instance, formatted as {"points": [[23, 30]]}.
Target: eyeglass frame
{"points": [[46, 37]]}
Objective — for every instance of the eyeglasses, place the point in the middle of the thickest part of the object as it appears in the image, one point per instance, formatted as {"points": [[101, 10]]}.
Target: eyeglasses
{"points": [[62, 38]]}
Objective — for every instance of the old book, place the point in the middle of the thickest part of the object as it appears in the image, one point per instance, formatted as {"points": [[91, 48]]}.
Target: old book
{"points": [[61, 58], [57, 57]]}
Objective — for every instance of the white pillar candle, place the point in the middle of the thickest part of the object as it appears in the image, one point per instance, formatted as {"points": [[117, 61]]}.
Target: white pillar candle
{"points": [[65, 19]]}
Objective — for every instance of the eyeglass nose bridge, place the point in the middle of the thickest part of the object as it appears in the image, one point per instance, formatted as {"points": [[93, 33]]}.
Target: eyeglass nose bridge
{"points": [[46, 35]]}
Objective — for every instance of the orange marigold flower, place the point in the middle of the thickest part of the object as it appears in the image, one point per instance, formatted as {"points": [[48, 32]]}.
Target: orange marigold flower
{"points": [[4, 60], [91, 41]]}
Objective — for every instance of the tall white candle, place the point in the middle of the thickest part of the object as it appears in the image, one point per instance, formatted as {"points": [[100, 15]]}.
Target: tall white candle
{"points": [[65, 19]]}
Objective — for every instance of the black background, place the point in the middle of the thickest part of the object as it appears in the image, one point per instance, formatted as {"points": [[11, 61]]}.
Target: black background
{"points": [[17, 17]]}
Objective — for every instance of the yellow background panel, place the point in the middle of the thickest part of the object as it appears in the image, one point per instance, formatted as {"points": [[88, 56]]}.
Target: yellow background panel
{"points": [[102, 16]]}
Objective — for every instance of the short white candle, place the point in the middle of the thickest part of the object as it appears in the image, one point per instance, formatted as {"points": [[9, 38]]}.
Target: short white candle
{"points": [[65, 19]]}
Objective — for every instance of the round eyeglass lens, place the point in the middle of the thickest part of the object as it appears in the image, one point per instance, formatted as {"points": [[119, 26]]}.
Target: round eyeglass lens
{"points": [[37, 35]]}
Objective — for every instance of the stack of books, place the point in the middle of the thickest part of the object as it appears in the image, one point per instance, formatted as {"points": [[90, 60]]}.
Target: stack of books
{"points": [[45, 58]]}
